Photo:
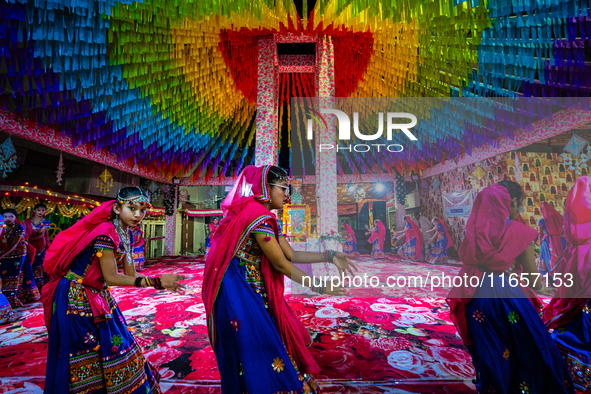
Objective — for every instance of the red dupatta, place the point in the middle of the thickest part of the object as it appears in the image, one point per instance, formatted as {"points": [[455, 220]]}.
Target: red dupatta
{"points": [[380, 235], [351, 232], [243, 211], [31, 251], [39, 244], [568, 301], [65, 247], [449, 238], [554, 223], [520, 219], [490, 244], [415, 232]]}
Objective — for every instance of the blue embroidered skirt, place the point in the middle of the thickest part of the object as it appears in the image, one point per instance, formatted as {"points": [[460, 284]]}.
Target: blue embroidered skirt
{"points": [[407, 251], [250, 354], [574, 343], [88, 357], [11, 269], [545, 256]]}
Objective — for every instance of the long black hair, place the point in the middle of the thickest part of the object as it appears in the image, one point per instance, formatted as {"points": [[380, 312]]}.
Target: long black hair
{"points": [[515, 191], [39, 206]]}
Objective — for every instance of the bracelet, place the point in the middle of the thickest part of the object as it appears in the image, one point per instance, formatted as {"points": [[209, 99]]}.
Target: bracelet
{"points": [[138, 282], [148, 282], [329, 256], [157, 283]]}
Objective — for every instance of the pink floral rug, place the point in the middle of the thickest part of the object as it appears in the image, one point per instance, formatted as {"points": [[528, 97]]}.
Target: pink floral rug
{"points": [[364, 343]]}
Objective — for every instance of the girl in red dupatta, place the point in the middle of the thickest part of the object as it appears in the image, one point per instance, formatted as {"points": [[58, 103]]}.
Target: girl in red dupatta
{"points": [[36, 228], [259, 343], [16, 269], [350, 245], [6, 314], [438, 254], [90, 347], [511, 349], [211, 227], [377, 238], [569, 312], [413, 248]]}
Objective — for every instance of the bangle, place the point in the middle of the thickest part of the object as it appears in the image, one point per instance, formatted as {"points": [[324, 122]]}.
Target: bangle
{"points": [[148, 282], [329, 256], [138, 282], [157, 283]]}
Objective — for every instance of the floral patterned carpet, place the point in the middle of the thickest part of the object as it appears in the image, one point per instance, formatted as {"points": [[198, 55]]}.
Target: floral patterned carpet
{"points": [[365, 342]]}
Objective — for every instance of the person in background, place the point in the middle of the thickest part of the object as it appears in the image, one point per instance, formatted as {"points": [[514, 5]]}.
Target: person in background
{"points": [[377, 237], [569, 312], [443, 241], [139, 245], [259, 343], [350, 244], [6, 314], [554, 226], [544, 259], [36, 229], [18, 280], [425, 226], [511, 349], [91, 349], [413, 247], [211, 227]]}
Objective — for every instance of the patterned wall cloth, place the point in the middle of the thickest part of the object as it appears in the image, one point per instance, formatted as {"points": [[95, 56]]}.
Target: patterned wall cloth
{"points": [[544, 177]]}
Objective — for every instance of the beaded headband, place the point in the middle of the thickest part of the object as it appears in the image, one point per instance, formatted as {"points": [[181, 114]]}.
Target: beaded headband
{"points": [[281, 177], [141, 198]]}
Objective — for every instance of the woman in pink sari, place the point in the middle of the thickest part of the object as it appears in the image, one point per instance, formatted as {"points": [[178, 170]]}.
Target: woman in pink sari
{"points": [[377, 238], [511, 349], [413, 248], [259, 343], [90, 347], [569, 312]]}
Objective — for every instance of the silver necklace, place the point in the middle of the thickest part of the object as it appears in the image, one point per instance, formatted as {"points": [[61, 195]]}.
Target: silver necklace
{"points": [[125, 241]]}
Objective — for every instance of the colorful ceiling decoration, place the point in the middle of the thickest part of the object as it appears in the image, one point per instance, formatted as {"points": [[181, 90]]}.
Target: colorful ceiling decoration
{"points": [[172, 86]]}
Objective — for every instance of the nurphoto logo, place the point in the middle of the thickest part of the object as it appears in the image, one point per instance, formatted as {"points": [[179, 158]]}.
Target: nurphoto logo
{"points": [[345, 130]]}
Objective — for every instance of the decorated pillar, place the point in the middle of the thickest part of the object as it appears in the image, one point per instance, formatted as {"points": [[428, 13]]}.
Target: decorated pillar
{"points": [[326, 161], [267, 105], [170, 210]]}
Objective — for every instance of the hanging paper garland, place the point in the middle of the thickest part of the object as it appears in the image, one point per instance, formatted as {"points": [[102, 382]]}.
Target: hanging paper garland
{"points": [[153, 190], [575, 145], [105, 181], [7, 157], [400, 190], [60, 170], [575, 163], [169, 199]]}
